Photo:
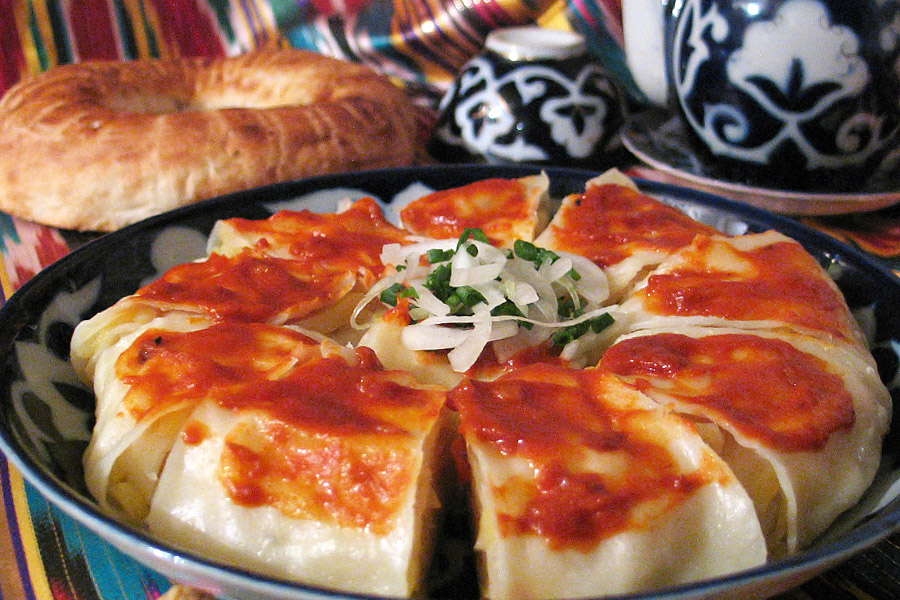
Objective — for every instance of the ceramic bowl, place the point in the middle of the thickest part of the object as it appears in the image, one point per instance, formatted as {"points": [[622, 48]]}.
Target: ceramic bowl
{"points": [[797, 94], [534, 95], [46, 414]]}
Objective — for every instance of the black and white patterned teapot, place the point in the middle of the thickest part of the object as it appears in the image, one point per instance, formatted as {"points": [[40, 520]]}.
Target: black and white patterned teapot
{"points": [[798, 94]]}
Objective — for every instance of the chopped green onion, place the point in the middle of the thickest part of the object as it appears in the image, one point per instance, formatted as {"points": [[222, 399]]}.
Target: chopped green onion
{"points": [[475, 233], [437, 255], [510, 309], [530, 252], [573, 332], [600, 323], [469, 295], [525, 250], [389, 295], [566, 308], [438, 281]]}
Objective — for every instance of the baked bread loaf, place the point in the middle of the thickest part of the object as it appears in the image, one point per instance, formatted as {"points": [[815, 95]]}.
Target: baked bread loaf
{"points": [[100, 145]]}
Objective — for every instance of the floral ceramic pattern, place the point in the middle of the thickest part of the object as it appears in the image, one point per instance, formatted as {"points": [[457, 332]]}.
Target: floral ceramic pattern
{"points": [[793, 70]]}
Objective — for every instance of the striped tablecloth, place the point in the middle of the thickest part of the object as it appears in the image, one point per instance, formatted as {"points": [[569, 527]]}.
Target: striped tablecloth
{"points": [[44, 554]]}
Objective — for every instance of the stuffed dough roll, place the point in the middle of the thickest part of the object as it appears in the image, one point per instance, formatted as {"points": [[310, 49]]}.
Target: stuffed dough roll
{"points": [[585, 487], [799, 420]]}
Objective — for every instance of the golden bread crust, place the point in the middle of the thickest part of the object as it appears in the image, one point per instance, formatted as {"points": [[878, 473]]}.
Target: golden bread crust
{"points": [[100, 145]]}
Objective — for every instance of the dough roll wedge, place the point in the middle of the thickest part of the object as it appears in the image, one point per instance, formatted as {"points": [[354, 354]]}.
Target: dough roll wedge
{"points": [[800, 420], [584, 484]]}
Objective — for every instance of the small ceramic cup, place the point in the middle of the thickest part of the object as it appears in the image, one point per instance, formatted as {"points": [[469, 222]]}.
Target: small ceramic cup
{"points": [[533, 96], [793, 94]]}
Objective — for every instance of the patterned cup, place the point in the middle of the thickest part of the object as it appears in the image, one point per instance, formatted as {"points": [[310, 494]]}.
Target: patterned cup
{"points": [[532, 96], [798, 94]]}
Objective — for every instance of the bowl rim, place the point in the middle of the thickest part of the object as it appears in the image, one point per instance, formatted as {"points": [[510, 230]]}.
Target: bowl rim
{"points": [[874, 527]]}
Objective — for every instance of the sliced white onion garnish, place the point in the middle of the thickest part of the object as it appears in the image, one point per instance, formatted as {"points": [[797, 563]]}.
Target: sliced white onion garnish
{"points": [[492, 292], [463, 356], [559, 269], [373, 292], [431, 336], [593, 284], [428, 301], [398, 254], [499, 276], [522, 293], [473, 275], [501, 330], [392, 254]]}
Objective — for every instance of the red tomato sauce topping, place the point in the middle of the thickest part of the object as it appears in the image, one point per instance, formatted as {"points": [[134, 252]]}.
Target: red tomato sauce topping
{"points": [[554, 418], [248, 287], [764, 388], [322, 436], [778, 281], [609, 223], [498, 207], [348, 241]]}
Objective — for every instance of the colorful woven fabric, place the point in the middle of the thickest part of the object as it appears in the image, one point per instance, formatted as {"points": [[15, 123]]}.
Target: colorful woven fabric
{"points": [[422, 43], [41, 34]]}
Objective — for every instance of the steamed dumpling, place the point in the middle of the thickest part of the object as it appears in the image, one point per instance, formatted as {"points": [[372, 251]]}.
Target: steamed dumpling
{"points": [[586, 487], [621, 229], [281, 451], [753, 281], [506, 210], [800, 420]]}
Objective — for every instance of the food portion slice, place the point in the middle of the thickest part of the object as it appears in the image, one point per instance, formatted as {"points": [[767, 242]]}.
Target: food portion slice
{"points": [[621, 229], [291, 455], [755, 281], [344, 242], [505, 209], [132, 434], [297, 268], [149, 381], [338, 251], [585, 487], [250, 287], [799, 420]]}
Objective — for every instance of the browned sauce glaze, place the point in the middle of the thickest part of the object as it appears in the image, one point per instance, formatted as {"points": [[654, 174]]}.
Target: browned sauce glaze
{"points": [[766, 389], [497, 206], [248, 287], [609, 223], [347, 241], [555, 418], [323, 437], [778, 281]]}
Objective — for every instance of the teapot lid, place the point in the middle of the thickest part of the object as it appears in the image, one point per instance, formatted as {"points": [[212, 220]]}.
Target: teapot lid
{"points": [[535, 43]]}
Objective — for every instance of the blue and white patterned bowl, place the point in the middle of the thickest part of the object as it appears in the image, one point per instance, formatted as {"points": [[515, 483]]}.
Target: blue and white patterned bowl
{"points": [[46, 414], [795, 94], [533, 96]]}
